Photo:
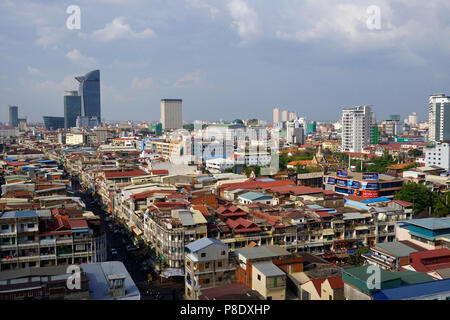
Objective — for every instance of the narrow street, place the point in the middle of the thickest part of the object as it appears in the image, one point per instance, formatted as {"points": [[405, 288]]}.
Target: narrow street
{"points": [[132, 261]]}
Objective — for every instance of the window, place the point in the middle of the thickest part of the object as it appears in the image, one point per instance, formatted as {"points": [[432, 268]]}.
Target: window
{"points": [[203, 255], [259, 277], [5, 226], [206, 281], [219, 264], [223, 252], [206, 265], [31, 225]]}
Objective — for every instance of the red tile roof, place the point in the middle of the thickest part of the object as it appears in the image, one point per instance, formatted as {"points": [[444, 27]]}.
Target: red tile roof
{"points": [[336, 282], [159, 172], [202, 208], [120, 174], [241, 225], [404, 203], [78, 224]]}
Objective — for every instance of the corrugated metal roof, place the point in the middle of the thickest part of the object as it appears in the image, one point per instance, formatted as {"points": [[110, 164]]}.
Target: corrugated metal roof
{"points": [[414, 290], [268, 269], [396, 249], [203, 243]]}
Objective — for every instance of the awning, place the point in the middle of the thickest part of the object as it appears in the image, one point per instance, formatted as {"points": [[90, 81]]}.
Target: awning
{"points": [[362, 228], [173, 272]]}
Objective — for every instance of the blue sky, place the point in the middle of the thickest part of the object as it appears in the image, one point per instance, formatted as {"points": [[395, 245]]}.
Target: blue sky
{"points": [[226, 59]]}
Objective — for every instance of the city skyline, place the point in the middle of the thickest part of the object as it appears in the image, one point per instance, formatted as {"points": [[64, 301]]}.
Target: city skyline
{"points": [[236, 58]]}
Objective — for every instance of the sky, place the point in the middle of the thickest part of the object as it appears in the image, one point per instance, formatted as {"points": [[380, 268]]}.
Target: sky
{"points": [[226, 59]]}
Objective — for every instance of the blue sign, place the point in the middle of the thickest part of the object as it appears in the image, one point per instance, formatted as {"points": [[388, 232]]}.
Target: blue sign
{"points": [[354, 184], [331, 180], [370, 176], [371, 186], [341, 183], [341, 173]]}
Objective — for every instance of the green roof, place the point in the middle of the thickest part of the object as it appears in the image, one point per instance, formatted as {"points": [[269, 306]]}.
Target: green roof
{"points": [[412, 277], [361, 274]]}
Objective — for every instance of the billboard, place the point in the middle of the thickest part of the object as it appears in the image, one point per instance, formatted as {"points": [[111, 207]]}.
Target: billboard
{"points": [[341, 182], [354, 184], [369, 194], [370, 186], [370, 176], [341, 173], [331, 180]]}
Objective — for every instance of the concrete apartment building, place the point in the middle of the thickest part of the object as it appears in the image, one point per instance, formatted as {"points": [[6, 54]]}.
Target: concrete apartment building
{"points": [[171, 114], [207, 265], [356, 128], [36, 239], [439, 155], [439, 118]]}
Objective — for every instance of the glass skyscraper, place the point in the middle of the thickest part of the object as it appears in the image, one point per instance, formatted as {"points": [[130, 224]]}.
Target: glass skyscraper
{"points": [[53, 123], [13, 116], [89, 90], [72, 108]]}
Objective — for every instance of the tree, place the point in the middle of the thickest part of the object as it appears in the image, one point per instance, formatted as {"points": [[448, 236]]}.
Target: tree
{"points": [[357, 259], [415, 153], [420, 195]]}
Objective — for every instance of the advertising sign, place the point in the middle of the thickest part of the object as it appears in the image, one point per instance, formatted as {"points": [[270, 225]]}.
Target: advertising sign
{"points": [[331, 180], [341, 182], [341, 173], [370, 176], [372, 186], [354, 184], [369, 194]]}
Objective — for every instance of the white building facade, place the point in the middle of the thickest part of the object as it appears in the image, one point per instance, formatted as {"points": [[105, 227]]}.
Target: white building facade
{"points": [[356, 128]]}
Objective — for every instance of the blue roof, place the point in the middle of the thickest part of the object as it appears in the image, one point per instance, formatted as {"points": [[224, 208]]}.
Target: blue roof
{"points": [[18, 214], [380, 199], [46, 161], [431, 223], [203, 243], [266, 179], [414, 290], [11, 159]]}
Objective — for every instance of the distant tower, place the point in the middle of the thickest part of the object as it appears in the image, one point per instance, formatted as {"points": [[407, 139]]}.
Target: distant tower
{"points": [[13, 116], [284, 115], [72, 108], [89, 90], [171, 113], [276, 115]]}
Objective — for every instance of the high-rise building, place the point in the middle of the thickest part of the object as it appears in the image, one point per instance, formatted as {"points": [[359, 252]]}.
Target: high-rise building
{"points": [[292, 116], [356, 128], [72, 108], [394, 117], [284, 115], [276, 115], [86, 122], [53, 123], [171, 113], [412, 119], [374, 134], [439, 155], [13, 116], [439, 118], [89, 90], [295, 132]]}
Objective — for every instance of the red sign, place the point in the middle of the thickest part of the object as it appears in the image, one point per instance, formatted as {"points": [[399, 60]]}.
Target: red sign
{"points": [[369, 194]]}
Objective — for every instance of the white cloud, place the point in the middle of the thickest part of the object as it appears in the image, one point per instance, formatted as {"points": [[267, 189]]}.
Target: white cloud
{"points": [[245, 19], [189, 80], [118, 29], [68, 83], [78, 58], [49, 36], [201, 4], [33, 71], [145, 83]]}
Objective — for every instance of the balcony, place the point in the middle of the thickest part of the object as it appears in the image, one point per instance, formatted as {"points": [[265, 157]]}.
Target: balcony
{"points": [[7, 234], [64, 241], [27, 245], [8, 246], [28, 258], [47, 256], [6, 260]]}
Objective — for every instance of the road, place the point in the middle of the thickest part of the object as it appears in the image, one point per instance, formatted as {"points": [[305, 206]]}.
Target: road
{"points": [[149, 291]]}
